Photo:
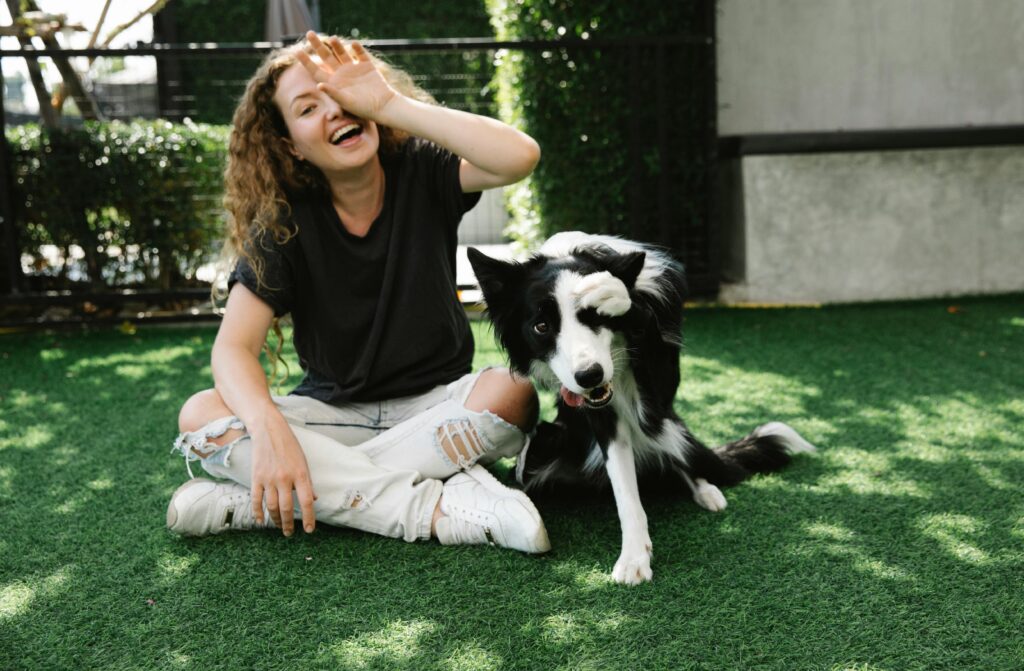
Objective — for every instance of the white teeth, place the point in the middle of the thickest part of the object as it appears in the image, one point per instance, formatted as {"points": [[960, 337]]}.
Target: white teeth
{"points": [[336, 136]]}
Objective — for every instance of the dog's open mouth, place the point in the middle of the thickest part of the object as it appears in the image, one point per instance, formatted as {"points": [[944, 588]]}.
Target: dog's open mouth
{"points": [[598, 397]]}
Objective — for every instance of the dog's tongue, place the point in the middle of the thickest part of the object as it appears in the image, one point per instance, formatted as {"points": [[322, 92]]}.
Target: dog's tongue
{"points": [[571, 399]]}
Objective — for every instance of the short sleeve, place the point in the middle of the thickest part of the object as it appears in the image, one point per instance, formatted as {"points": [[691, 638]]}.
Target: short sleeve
{"points": [[444, 166], [274, 285]]}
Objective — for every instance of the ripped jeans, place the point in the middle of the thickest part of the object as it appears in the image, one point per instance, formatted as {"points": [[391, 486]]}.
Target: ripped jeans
{"points": [[375, 466]]}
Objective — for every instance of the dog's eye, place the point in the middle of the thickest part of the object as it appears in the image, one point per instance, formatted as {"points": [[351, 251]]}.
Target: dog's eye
{"points": [[541, 328]]}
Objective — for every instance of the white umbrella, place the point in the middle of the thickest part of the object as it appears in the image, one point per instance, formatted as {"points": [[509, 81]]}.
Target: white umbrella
{"points": [[287, 20]]}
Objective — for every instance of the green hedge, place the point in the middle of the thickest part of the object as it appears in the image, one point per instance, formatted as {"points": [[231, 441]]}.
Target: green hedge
{"points": [[594, 112], [141, 199]]}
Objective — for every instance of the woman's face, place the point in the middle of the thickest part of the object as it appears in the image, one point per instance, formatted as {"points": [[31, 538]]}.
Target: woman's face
{"points": [[320, 131]]}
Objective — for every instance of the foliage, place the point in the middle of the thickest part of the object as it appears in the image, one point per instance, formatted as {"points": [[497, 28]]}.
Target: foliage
{"points": [[140, 199], [624, 127], [215, 84]]}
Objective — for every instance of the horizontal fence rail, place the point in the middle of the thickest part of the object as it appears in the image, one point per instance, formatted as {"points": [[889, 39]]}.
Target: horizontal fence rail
{"points": [[148, 255]]}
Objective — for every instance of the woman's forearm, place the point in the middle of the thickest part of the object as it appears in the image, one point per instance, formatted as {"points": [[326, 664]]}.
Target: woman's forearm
{"points": [[490, 145], [241, 382]]}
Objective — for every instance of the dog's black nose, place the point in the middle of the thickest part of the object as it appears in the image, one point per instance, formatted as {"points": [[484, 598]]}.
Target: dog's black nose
{"points": [[590, 377]]}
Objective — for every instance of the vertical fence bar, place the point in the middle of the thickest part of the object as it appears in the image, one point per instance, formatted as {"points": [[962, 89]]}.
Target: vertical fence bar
{"points": [[664, 185], [11, 258], [636, 159], [710, 149]]}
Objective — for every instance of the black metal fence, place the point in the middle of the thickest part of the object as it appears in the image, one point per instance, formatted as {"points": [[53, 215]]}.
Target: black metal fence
{"points": [[51, 282]]}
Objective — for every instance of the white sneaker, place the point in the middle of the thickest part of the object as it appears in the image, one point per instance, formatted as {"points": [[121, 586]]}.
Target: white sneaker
{"points": [[478, 509], [201, 507]]}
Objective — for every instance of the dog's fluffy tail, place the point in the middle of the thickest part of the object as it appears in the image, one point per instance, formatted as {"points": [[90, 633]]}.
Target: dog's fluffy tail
{"points": [[766, 448]]}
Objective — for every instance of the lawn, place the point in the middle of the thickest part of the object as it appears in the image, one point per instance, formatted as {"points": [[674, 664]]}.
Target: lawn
{"points": [[899, 545]]}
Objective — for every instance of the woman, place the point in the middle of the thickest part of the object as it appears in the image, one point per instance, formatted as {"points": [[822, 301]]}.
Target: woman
{"points": [[345, 190]]}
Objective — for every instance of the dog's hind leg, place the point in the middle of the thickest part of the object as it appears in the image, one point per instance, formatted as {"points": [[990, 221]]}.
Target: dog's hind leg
{"points": [[705, 494], [700, 469]]}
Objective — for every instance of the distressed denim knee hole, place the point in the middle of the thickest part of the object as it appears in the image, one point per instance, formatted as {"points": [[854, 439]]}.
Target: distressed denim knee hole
{"points": [[459, 442], [196, 445]]}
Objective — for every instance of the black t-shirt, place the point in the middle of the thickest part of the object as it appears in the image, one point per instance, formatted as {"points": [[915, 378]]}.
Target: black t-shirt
{"points": [[376, 317]]}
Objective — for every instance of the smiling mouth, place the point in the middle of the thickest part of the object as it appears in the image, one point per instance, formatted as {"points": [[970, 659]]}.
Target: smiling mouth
{"points": [[598, 397], [345, 133]]}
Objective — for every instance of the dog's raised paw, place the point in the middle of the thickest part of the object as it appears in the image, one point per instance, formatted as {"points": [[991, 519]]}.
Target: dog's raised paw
{"points": [[709, 496], [633, 569], [604, 292]]}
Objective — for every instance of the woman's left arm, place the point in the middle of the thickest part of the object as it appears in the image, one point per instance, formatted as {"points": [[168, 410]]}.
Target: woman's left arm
{"points": [[493, 153]]}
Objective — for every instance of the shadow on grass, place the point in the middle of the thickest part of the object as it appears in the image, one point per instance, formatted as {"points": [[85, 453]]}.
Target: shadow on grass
{"points": [[892, 548]]}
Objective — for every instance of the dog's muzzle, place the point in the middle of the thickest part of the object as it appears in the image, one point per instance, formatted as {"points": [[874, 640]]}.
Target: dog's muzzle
{"points": [[598, 397]]}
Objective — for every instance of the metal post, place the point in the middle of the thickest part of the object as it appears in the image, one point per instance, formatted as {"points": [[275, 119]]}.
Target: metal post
{"points": [[12, 278], [666, 236], [714, 252], [169, 79], [636, 160]]}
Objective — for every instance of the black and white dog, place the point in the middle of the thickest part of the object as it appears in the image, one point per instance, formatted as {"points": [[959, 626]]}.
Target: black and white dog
{"points": [[599, 318]]}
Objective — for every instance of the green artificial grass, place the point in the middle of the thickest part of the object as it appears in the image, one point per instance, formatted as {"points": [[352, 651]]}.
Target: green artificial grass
{"points": [[899, 545]]}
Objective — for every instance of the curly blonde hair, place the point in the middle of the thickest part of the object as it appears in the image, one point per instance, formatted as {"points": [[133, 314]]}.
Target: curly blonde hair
{"points": [[262, 173]]}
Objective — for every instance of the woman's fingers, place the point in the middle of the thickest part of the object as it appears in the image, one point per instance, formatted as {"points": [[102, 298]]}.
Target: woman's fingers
{"points": [[306, 496], [312, 68], [257, 501], [358, 51], [322, 50], [339, 50], [286, 509], [275, 514]]}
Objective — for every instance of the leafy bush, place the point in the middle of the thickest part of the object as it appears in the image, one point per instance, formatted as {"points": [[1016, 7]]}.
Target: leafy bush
{"points": [[624, 127], [141, 199]]}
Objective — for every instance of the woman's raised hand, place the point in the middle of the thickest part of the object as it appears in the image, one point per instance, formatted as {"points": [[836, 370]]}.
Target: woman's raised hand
{"points": [[347, 74]]}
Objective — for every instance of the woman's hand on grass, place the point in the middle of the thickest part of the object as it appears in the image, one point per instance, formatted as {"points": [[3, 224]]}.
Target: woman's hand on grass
{"points": [[348, 74], [278, 468]]}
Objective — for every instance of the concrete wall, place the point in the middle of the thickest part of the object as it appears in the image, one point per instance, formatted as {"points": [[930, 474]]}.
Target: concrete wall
{"points": [[878, 225], [810, 65], [484, 224], [881, 224]]}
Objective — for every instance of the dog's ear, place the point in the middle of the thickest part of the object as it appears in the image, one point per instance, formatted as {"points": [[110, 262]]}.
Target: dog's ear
{"points": [[626, 267], [494, 276]]}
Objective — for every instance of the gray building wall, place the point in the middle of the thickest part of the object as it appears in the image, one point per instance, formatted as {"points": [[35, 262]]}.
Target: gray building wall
{"points": [[810, 65], [882, 225], [873, 224]]}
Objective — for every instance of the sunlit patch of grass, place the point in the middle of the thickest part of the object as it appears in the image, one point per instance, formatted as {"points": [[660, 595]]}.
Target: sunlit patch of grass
{"points": [[17, 597], [953, 533], [842, 543], [29, 438], [474, 656], [396, 644]]}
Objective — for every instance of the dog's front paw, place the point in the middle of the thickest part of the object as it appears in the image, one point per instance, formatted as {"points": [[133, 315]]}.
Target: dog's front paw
{"points": [[633, 568], [709, 496], [604, 292]]}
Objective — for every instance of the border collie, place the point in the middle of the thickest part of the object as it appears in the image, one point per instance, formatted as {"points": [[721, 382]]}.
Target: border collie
{"points": [[599, 318]]}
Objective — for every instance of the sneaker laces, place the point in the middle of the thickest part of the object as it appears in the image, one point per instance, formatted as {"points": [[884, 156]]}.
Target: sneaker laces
{"points": [[238, 512]]}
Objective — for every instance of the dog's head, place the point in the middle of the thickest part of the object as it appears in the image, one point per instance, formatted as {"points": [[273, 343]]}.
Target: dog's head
{"points": [[558, 318]]}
